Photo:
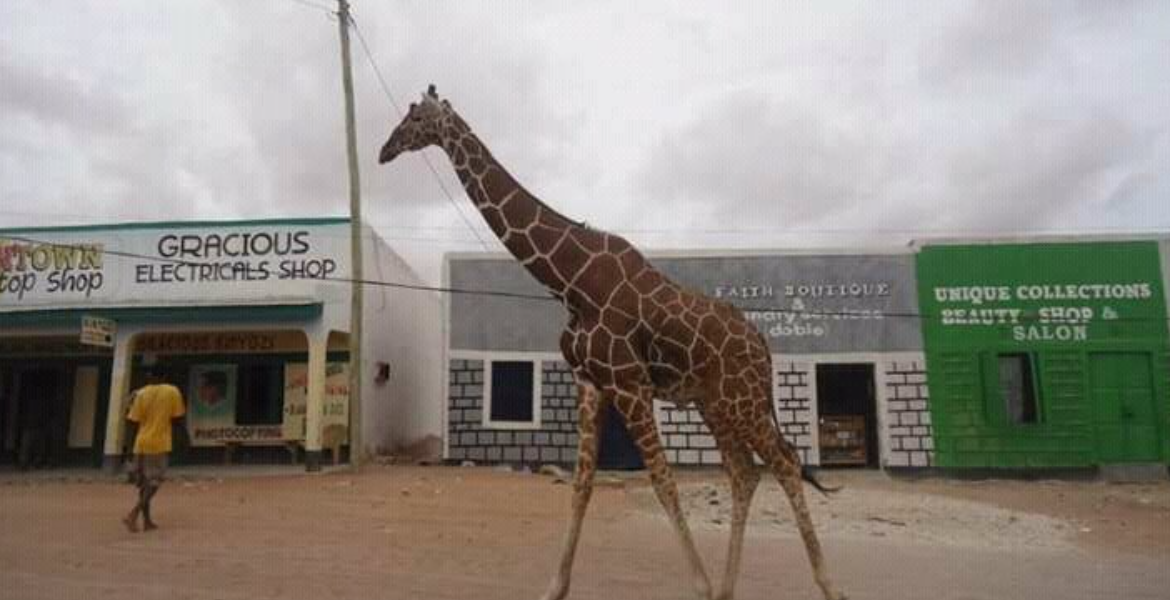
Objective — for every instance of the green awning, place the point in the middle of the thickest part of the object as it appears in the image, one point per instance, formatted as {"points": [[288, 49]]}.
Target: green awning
{"points": [[238, 313]]}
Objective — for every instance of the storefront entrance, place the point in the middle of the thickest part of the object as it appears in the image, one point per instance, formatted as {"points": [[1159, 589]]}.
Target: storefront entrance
{"points": [[1123, 405], [52, 415], [616, 449], [847, 415]]}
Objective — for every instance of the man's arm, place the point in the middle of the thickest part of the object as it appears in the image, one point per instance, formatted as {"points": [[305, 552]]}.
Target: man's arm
{"points": [[132, 417]]}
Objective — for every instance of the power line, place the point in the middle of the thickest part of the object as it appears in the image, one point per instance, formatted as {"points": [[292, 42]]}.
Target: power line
{"points": [[842, 314]]}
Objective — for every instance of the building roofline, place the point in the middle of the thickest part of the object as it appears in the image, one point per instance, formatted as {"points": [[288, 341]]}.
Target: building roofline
{"points": [[129, 225], [717, 252], [1052, 238]]}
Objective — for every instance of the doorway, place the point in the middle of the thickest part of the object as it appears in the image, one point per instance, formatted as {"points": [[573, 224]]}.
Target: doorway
{"points": [[1122, 391], [847, 409], [41, 418], [616, 449]]}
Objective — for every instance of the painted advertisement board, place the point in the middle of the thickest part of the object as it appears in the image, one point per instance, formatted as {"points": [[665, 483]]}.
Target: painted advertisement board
{"points": [[155, 264], [802, 303], [1053, 294]]}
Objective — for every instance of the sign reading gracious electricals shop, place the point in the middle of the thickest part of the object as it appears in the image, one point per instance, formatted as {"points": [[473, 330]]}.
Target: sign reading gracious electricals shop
{"points": [[1042, 293], [154, 264]]}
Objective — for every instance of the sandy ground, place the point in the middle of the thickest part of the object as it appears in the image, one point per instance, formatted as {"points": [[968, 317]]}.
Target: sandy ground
{"points": [[451, 532]]}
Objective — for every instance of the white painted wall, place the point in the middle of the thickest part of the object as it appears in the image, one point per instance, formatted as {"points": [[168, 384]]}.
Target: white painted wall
{"points": [[402, 327]]}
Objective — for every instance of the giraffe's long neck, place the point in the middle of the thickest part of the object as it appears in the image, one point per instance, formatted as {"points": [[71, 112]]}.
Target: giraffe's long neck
{"points": [[527, 227]]}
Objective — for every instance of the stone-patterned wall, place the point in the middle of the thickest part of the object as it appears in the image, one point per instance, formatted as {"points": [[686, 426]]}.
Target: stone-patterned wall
{"points": [[688, 441], [905, 437], [792, 389], [685, 436], [468, 439], [908, 415]]}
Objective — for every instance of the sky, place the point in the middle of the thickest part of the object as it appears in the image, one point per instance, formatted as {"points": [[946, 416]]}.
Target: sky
{"points": [[681, 125]]}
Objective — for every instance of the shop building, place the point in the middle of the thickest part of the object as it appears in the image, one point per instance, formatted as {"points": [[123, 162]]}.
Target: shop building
{"points": [[849, 374], [249, 319], [1047, 353]]}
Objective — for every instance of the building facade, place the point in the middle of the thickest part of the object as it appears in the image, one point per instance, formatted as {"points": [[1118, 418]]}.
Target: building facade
{"points": [[1047, 354], [249, 319], [849, 374]]}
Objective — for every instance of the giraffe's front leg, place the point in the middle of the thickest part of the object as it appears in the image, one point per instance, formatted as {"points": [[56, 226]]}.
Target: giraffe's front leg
{"points": [[588, 425], [638, 412]]}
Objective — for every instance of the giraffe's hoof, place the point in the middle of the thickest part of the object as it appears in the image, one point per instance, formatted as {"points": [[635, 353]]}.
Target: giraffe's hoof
{"points": [[557, 590]]}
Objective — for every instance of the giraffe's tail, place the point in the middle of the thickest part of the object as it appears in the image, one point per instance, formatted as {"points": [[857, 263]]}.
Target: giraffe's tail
{"points": [[807, 475]]}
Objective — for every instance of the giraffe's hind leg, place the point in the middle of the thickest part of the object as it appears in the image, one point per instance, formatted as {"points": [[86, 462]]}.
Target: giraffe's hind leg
{"points": [[785, 465], [741, 469], [637, 410], [590, 413]]}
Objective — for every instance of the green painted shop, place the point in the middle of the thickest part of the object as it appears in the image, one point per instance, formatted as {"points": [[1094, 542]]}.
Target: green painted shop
{"points": [[1046, 354]]}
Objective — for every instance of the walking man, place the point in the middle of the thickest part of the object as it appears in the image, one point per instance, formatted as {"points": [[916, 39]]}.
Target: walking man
{"points": [[152, 409]]}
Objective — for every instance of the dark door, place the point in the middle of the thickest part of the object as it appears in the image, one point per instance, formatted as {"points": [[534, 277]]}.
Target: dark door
{"points": [[43, 421], [847, 412], [1123, 407], [617, 450], [8, 416]]}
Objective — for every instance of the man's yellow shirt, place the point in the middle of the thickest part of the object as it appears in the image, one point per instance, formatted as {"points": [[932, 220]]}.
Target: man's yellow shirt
{"points": [[154, 407]]}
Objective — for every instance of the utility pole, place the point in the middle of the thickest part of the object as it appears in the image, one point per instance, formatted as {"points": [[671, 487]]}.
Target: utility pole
{"points": [[356, 453]]}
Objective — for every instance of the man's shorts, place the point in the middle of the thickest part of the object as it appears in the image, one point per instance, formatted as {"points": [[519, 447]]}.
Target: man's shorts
{"points": [[151, 468]]}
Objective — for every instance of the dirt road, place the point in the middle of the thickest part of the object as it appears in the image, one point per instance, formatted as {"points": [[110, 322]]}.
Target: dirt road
{"points": [[463, 533]]}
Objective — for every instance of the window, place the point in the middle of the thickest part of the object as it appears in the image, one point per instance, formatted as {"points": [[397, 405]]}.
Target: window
{"points": [[1017, 389], [511, 394], [261, 398]]}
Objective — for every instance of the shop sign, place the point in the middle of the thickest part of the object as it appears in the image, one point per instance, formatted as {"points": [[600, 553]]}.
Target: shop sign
{"points": [[50, 268], [96, 331], [230, 342], [802, 303], [1044, 293], [296, 399], [211, 436], [807, 309], [336, 404], [335, 408], [211, 412], [56, 268]]}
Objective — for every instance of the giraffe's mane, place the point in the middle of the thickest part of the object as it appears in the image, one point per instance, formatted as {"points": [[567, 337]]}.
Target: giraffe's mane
{"points": [[445, 106]]}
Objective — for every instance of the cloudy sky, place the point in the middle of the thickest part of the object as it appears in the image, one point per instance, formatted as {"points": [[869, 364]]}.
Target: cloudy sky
{"points": [[679, 124]]}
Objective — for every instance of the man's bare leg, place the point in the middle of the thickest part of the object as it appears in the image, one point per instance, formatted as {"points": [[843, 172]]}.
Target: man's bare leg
{"points": [[148, 523]]}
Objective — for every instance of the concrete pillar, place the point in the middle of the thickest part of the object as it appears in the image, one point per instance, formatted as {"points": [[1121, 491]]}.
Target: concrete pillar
{"points": [[315, 403], [119, 391]]}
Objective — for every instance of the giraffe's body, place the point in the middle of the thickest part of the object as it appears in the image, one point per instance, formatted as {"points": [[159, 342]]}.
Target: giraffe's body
{"points": [[633, 335]]}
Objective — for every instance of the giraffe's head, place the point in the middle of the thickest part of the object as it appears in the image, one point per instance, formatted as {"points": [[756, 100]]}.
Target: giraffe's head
{"points": [[421, 127]]}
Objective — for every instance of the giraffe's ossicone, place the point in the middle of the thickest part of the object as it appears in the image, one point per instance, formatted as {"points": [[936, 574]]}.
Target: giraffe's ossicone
{"points": [[632, 335]]}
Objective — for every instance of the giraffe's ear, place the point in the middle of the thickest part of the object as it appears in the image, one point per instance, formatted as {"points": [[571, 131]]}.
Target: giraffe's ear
{"points": [[446, 104]]}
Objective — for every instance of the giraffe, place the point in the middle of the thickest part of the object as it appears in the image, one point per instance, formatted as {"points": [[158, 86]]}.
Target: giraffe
{"points": [[633, 335]]}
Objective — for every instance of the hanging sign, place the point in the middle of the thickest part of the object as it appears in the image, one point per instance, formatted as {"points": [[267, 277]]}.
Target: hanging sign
{"points": [[96, 331]]}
